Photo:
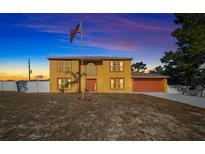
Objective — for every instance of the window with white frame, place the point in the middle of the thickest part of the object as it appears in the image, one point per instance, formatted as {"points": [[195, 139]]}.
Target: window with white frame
{"points": [[116, 66], [64, 66], [64, 83], [117, 83]]}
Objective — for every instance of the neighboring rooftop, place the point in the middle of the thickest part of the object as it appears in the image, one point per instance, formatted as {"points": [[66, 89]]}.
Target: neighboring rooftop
{"points": [[147, 75], [88, 58]]}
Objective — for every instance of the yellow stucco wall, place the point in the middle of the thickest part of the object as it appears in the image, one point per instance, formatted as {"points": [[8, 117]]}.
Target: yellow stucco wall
{"points": [[54, 75], [165, 85], [103, 76]]}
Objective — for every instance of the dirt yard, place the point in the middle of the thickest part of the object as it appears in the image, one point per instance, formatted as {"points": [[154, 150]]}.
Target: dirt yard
{"points": [[101, 117]]}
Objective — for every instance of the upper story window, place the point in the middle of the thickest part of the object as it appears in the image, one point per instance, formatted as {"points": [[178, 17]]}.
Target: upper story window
{"points": [[116, 66], [91, 69], [64, 66]]}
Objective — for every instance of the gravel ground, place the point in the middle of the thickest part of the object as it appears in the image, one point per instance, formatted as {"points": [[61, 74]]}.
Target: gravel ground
{"points": [[101, 117]]}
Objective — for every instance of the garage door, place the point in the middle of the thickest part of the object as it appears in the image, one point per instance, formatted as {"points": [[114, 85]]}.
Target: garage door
{"points": [[148, 85]]}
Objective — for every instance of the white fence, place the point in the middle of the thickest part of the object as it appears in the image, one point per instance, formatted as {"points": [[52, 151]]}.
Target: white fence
{"points": [[8, 86], [43, 86], [38, 86], [31, 86]]}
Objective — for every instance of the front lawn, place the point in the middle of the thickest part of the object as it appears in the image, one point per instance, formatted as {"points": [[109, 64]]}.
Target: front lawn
{"points": [[102, 117]]}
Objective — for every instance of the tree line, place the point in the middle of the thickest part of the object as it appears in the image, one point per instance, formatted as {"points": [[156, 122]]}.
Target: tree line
{"points": [[186, 65]]}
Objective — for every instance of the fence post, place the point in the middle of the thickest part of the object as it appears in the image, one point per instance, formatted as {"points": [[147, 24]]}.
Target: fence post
{"points": [[2, 86], [37, 86], [14, 85]]}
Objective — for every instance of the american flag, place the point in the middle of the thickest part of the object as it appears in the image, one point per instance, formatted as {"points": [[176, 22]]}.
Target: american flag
{"points": [[73, 32]]}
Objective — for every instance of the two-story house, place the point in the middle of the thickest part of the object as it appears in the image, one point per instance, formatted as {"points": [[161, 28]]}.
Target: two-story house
{"points": [[103, 74]]}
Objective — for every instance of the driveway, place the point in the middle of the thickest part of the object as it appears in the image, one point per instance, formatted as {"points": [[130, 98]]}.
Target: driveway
{"points": [[191, 100]]}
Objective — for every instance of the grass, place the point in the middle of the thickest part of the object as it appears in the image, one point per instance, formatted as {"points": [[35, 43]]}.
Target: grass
{"points": [[102, 117]]}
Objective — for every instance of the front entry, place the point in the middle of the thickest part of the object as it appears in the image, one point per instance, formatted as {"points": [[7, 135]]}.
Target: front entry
{"points": [[91, 85]]}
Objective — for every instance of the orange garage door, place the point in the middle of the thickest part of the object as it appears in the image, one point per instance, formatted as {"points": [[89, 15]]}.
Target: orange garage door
{"points": [[148, 85]]}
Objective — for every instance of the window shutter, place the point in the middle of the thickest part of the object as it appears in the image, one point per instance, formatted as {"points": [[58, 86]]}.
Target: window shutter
{"points": [[121, 65], [112, 83], [121, 83], [60, 83], [111, 65], [69, 84]]}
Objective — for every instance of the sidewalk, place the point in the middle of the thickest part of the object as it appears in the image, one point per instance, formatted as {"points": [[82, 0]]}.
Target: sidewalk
{"points": [[191, 100]]}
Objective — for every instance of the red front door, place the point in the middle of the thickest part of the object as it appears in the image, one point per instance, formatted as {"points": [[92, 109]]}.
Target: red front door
{"points": [[91, 85]]}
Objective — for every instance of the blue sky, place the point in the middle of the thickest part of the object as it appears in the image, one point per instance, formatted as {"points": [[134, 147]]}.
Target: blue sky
{"points": [[145, 37]]}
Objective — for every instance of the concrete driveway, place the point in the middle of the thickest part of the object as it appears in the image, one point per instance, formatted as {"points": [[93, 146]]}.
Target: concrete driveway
{"points": [[191, 100]]}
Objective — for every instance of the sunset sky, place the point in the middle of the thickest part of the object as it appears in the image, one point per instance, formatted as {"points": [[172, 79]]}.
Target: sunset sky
{"points": [[145, 37]]}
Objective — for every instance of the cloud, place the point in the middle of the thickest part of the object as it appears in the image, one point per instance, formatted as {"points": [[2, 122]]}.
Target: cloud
{"points": [[109, 31], [61, 23], [124, 43], [39, 77], [7, 76], [46, 28]]}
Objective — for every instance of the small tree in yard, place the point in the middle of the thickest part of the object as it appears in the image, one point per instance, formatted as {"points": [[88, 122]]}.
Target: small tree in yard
{"points": [[183, 65], [76, 79], [139, 67]]}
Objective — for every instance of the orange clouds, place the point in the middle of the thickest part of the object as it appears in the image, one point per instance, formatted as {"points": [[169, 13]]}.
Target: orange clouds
{"points": [[6, 76]]}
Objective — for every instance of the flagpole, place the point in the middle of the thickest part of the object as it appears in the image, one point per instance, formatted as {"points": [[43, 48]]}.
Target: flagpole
{"points": [[81, 48]]}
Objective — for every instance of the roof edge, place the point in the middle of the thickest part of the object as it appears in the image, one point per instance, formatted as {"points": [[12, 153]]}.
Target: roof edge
{"points": [[88, 57], [151, 77]]}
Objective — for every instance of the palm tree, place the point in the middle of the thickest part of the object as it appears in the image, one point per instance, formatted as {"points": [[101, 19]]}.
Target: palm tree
{"points": [[76, 78]]}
